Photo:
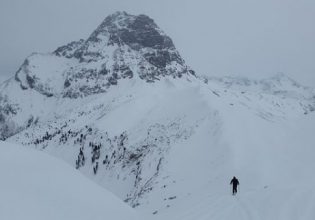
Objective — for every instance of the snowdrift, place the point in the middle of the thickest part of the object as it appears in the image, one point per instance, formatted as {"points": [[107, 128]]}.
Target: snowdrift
{"points": [[35, 185]]}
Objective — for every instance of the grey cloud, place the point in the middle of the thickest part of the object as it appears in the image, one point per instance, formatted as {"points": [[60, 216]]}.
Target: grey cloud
{"points": [[251, 38]]}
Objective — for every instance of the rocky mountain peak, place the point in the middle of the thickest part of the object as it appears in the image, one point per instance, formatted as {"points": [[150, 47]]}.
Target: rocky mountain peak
{"points": [[135, 31], [122, 46]]}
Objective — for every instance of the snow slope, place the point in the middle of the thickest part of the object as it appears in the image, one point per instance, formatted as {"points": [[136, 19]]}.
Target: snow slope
{"points": [[274, 161], [35, 185], [185, 140]]}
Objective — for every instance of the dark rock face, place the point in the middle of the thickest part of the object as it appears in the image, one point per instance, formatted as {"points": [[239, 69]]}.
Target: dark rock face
{"points": [[69, 49], [132, 30], [31, 81], [7, 110], [67, 83], [159, 59], [139, 33], [143, 32]]}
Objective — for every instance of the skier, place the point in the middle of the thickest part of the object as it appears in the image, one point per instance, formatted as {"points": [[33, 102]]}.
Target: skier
{"points": [[234, 182]]}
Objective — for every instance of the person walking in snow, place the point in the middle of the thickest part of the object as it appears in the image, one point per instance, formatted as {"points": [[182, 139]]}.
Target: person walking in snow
{"points": [[234, 182]]}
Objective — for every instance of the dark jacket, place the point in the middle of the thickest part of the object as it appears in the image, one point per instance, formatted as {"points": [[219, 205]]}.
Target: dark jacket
{"points": [[234, 181]]}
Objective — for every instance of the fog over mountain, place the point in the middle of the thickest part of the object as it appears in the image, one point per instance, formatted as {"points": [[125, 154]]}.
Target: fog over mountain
{"points": [[244, 38]]}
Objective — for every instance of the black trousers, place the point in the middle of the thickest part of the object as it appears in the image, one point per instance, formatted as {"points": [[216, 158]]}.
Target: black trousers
{"points": [[234, 189]]}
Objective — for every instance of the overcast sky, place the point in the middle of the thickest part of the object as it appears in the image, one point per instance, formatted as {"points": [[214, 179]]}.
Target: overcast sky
{"points": [[255, 38]]}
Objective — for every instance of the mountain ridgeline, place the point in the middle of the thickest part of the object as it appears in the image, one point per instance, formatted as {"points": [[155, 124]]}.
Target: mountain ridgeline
{"points": [[123, 46]]}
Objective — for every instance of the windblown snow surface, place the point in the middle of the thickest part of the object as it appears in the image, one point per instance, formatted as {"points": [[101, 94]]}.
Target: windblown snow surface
{"points": [[35, 185], [199, 136]]}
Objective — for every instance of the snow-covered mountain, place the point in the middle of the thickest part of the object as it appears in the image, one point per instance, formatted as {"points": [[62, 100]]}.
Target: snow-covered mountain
{"points": [[121, 47], [125, 109]]}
